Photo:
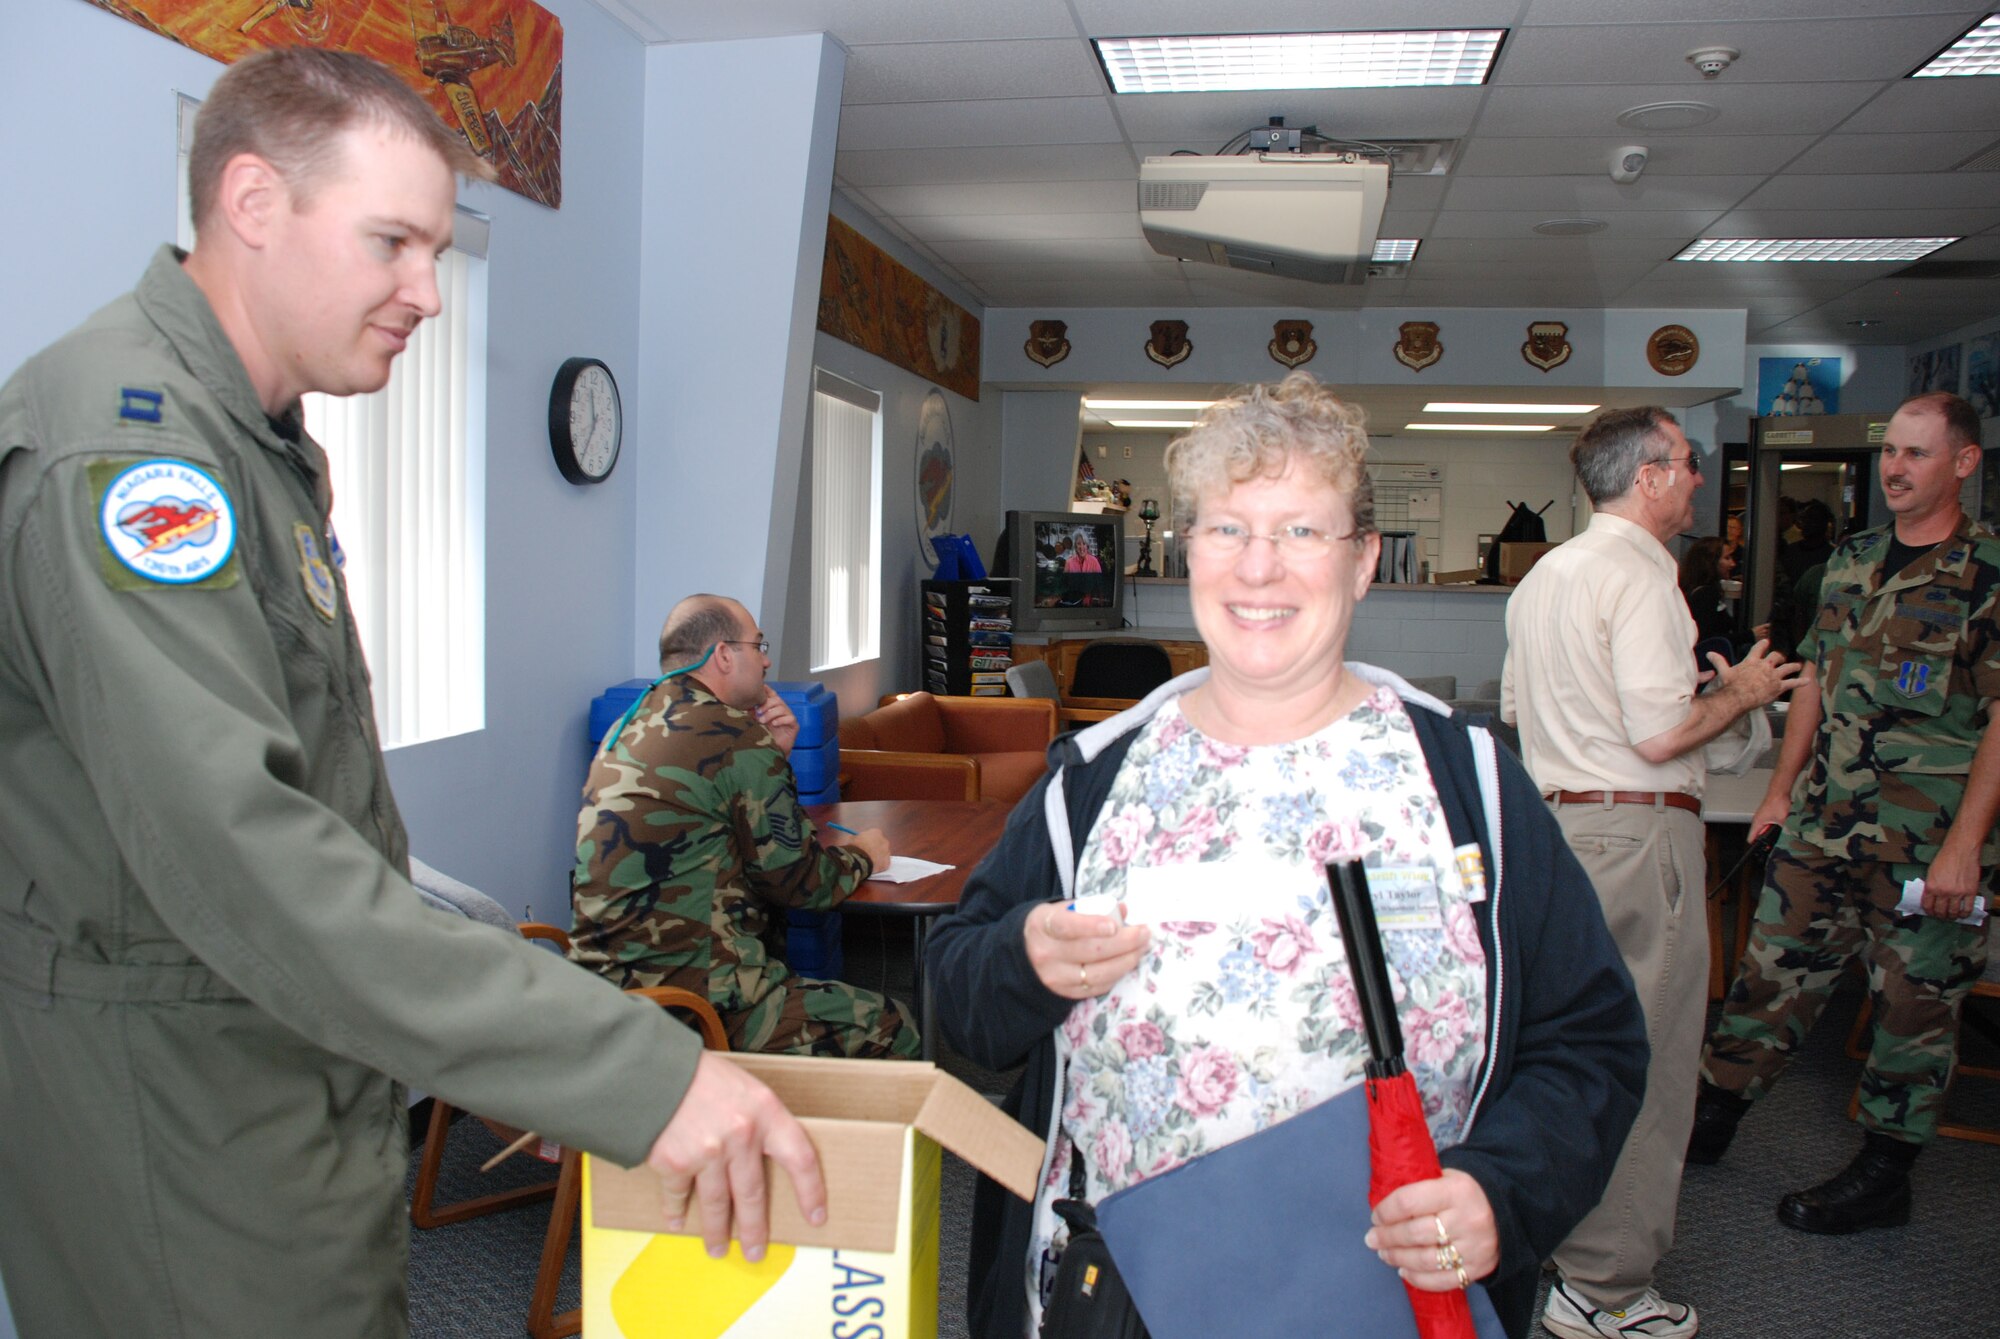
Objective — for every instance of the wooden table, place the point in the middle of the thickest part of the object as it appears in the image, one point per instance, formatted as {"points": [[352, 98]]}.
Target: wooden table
{"points": [[1727, 806], [949, 832]]}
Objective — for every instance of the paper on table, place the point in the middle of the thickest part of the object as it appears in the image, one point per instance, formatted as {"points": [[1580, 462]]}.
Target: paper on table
{"points": [[907, 869], [1913, 904]]}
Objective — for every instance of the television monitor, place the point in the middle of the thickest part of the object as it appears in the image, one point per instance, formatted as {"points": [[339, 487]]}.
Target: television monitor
{"points": [[1067, 571]]}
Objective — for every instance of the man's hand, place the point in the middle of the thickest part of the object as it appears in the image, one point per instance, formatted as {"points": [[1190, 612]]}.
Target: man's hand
{"points": [[775, 716], [713, 1151], [1760, 678], [871, 842], [1951, 884]]}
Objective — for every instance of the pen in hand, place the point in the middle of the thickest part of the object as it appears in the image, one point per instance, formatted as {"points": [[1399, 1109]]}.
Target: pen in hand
{"points": [[838, 827]]}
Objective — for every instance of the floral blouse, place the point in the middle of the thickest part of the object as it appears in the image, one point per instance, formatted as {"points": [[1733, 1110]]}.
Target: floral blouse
{"points": [[1242, 1012]]}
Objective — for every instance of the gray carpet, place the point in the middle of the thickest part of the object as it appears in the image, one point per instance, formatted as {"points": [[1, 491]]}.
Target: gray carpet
{"points": [[1746, 1274]]}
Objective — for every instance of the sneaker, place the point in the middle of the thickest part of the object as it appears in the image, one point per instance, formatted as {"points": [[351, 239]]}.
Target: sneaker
{"points": [[1649, 1317]]}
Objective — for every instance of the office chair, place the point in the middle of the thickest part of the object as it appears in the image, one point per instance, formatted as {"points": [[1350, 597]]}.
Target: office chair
{"points": [[1121, 668]]}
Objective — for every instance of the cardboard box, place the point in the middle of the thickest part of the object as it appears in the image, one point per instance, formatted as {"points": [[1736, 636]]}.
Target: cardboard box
{"points": [[1516, 559], [1460, 576], [869, 1273]]}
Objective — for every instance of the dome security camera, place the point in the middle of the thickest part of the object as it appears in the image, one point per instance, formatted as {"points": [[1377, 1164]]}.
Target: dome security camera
{"points": [[1628, 162]]}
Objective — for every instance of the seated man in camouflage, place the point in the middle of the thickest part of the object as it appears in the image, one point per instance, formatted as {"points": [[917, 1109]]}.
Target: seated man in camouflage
{"points": [[691, 846]]}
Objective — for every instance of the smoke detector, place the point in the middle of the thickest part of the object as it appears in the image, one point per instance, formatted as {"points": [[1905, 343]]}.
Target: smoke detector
{"points": [[1713, 60]]}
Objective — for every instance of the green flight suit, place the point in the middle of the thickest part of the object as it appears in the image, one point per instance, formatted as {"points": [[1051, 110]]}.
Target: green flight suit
{"points": [[1908, 663], [211, 961]]}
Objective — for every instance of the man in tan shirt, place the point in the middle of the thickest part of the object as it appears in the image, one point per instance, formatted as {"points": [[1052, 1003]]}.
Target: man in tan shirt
{"points": [[1600, 679]]}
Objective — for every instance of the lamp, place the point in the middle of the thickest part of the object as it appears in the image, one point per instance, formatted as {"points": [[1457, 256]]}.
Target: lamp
{"points": [[1149, 512]]}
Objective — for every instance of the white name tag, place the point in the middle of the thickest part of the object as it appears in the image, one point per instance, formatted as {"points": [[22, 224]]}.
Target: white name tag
{"points": [[1405, 898]]}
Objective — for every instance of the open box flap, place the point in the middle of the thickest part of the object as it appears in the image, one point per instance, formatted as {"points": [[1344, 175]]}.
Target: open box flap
{"points": [[985, 1136]]}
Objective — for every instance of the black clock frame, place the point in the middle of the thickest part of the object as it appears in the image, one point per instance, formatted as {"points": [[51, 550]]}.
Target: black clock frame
{"points": [[560, 442]]}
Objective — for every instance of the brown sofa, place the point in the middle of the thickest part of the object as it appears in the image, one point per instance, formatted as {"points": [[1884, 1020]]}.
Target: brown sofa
{"points": [[917, 746]]}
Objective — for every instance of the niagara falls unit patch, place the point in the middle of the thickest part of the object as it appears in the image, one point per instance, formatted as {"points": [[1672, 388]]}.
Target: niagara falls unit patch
{"points": [[165, 523]]}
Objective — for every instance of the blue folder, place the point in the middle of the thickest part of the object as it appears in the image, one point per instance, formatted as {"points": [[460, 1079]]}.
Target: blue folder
{"points": [[1264, 1236]]}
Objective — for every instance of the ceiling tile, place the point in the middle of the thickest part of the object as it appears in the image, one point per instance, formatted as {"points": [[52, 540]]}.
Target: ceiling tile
{"points": [[1625, 11], [854, 24], [1853, 222], [1916, 106], [1746, 109], [930, 125], [1719, 155], [1599, 194], [972, 163], [1685, 224], [1204, 121], [1962, 190], [959, 71], [1656, 53], [1134, 18], [1020, 227], [1931, 151], [1123, 271], [1058, 252], [1500, 252], [1021, 197]]}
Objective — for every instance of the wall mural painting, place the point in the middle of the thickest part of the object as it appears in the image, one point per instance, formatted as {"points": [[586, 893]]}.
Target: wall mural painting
{"points": [[869, 299], [491, 68]]}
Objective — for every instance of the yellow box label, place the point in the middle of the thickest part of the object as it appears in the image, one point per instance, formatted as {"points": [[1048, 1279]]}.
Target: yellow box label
{"points": [[642, 1285]]}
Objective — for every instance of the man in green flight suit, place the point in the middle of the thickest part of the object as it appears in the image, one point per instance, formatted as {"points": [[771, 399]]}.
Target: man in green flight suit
{"points": [[691, 838], [1889, 779], [211, 959]]}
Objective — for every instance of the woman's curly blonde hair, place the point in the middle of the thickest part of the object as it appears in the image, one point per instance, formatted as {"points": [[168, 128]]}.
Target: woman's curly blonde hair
{"points": [[1261, 431]]}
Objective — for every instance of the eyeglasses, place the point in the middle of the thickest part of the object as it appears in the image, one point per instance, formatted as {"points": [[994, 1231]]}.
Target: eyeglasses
{"points": [[1301, 542], [763, 645], [1691, 460]]}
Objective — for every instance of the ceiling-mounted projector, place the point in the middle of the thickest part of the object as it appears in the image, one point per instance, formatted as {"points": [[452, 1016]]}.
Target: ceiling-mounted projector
{"points": [[1300, 215]]}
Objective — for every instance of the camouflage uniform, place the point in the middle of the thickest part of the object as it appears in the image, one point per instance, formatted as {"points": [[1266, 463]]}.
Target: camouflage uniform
{"points": [[1907, 667], [690, 838]]}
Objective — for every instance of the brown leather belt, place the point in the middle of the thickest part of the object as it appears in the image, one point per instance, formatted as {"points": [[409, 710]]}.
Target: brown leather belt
{"points": [[1672, 799]]}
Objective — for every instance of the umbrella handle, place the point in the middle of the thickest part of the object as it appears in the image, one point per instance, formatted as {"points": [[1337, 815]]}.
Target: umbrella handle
{"points": [[1362, 942]]}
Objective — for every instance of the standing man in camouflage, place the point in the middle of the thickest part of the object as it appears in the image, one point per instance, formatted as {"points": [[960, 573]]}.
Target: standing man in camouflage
{"points": [[691, 846], [1600, 678], [213, 969], [1900, 755]]}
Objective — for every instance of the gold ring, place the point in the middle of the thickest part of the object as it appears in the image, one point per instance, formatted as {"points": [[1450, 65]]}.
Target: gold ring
{"points": [[1463, 1282], [1083, 974], [1444, 1237], [1449, 1258], [1444, 1261]]}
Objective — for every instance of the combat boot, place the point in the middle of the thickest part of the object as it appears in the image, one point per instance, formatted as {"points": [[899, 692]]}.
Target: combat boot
{"points": [[1872, 1191], [1716, 1114]]}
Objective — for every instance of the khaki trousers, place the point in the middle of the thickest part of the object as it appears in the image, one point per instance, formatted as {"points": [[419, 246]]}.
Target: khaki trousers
{"points": [[1647, 865]]}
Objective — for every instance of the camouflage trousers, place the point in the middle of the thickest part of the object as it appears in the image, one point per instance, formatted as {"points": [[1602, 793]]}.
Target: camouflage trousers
{"points": [[1815, 914], [800, 1016]]}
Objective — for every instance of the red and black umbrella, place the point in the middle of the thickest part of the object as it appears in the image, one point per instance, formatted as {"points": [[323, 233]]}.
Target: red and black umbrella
{"points": [[1400, 1149]]}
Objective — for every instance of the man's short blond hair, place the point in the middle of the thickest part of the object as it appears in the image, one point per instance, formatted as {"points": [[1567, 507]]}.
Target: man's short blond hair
{"points": [[291, 106]]}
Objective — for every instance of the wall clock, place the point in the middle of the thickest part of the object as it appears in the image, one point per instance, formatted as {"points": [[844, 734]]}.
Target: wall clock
{"points": [[586, 421]]}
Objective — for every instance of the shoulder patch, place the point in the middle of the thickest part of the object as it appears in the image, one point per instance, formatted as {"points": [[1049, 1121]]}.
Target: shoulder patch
{"points": [[140, 404], [164, 522], [314, 573]]}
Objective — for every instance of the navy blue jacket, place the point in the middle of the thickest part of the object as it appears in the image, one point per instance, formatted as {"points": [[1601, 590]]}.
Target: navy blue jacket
{"points": [[1566, 1046]]}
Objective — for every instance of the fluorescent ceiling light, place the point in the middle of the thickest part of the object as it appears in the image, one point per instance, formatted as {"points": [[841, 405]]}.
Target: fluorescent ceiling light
{"points": [[1244, 62], [1978, 52], [1090, 403], [1463, 407], [1150, 422], [1391, 250], [1813, 248], [1797, 465], [1479, 427]]}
